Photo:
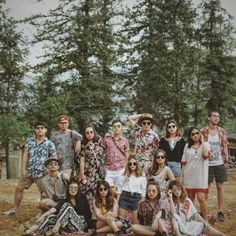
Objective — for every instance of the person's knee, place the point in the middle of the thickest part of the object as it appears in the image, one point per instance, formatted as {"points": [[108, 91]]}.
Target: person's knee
{"points": [[19, 189]]}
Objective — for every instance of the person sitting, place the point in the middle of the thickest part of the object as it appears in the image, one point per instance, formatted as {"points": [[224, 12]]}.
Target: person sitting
{"points": [[105, 207], [53, 185], [70, 215]]}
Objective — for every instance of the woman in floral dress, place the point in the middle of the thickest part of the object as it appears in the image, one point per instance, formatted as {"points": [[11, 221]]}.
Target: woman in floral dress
{"points": [[92, 161]]}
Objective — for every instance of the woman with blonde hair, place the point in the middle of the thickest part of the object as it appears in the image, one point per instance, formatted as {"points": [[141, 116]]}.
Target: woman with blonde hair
{"points": [[132, 190]]}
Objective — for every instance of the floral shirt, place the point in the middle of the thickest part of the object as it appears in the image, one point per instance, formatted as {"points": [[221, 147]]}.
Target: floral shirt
{"points": [[222, 137], [147, 211], [145, 144], [38, 153], [115, 152]]}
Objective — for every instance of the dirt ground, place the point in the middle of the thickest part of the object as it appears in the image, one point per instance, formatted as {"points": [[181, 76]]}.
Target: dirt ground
{"points": [[14, 225]]}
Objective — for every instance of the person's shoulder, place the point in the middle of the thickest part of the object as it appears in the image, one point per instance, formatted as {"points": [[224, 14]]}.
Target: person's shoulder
{"points": [[221, 129]]}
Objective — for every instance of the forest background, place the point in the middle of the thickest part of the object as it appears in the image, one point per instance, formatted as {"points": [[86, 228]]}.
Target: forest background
{"points": [[105, 59]]}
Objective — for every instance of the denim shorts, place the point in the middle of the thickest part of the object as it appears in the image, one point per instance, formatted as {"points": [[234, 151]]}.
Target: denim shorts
{"points": [[175, 167], [219, 172], [129, 200]]}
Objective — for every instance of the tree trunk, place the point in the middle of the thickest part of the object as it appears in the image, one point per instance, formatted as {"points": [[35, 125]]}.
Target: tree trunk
{"points": [[7, 147]]}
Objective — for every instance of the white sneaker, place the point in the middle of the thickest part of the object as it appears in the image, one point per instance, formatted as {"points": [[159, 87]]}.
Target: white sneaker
{"points": [[10, 212]]}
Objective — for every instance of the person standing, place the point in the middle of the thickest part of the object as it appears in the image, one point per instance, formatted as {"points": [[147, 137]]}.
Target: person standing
{"points": [[173, 144], [146, 140], [218, 163], [195, 168], [92, 162], [37, 151], [67, 142], [117, 152]]}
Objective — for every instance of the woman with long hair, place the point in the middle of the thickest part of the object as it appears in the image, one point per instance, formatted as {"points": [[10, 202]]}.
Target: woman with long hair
{"points": [[92, 162], [105, 207], [173, 144], [160, 172], [195, 168], [188, 221], [149, 214], [133, 189], [71, 215]]}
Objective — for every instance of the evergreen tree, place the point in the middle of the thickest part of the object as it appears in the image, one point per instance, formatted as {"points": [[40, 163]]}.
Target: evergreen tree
{"points": [[12, 126], [80, 52], [162, 57], [218, 66]]}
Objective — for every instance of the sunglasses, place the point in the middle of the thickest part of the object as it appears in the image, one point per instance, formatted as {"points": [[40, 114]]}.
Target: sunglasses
{"points": [[146, 123], [195, 133], [53, 163], [39, 127], [171, 126], [160, 157], [132, 163], [89, 132], [102, 189]]}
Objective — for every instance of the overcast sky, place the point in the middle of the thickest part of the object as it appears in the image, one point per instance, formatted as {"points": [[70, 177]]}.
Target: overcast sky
{"points": [[25, 8]]}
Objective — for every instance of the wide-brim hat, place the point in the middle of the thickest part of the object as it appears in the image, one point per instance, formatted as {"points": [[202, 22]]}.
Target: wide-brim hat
{"points": [[146, 116], [53, 158]]}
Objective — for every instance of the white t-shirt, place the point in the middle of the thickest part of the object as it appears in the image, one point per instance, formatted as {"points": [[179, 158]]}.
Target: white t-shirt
{"points": [[216, 157]]}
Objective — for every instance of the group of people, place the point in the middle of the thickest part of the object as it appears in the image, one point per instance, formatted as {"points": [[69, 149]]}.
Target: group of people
{"points": [[89, 183]]}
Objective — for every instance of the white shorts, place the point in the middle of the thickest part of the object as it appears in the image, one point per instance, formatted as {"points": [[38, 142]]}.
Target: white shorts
{"points": [[113, 177]]}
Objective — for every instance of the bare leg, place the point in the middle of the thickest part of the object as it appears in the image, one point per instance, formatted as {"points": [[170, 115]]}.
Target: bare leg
{"points": [[135, 217], [220, 195], [143, 230], [122, 212], [18, 197], [203, 206]]}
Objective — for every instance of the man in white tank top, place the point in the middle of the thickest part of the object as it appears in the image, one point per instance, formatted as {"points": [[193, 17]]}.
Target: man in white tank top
{"points": [[218, 163]]}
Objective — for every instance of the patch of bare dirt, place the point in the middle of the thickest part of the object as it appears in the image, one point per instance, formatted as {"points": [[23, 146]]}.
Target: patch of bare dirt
{"points": [[14, 225]]}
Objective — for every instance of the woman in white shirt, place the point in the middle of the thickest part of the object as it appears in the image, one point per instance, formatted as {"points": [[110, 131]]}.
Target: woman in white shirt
{"points": [[132, 189]]}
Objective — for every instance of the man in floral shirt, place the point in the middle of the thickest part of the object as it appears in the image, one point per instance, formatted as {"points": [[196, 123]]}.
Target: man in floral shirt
{"points": [[37, 150], [146, 140], [218, 163]]}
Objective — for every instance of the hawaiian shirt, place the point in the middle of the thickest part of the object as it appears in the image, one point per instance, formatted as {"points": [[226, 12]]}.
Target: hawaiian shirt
{"points": [[222, 136], [115, 152], [38, 153], [145, 144], [146, 212], [65, 146]]}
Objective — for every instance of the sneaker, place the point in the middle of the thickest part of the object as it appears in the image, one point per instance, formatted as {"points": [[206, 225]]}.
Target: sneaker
{"points": [[221, 216], [10, 212]]}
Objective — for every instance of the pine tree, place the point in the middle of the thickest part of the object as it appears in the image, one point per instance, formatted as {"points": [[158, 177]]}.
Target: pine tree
{"points": [[218, 67], [12, 70], [80, 52]]}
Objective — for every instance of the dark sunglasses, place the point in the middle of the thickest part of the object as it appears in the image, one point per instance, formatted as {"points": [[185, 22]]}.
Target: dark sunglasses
{"points": [[132, 163], [171, 126], [102, 189], [195, 133], [89, 132], [39, 127], [160, 157], [146, 123]]}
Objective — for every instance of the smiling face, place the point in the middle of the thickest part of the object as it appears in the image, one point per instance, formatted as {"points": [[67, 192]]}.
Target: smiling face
{"points": [[53, 166], [89, 133]]}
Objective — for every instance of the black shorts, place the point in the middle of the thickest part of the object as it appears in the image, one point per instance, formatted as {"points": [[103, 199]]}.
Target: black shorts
{"points": [[219, 173], [129, 201]]}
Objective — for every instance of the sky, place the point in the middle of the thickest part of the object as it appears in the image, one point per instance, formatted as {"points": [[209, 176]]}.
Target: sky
{"points": [[25, 8]]}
